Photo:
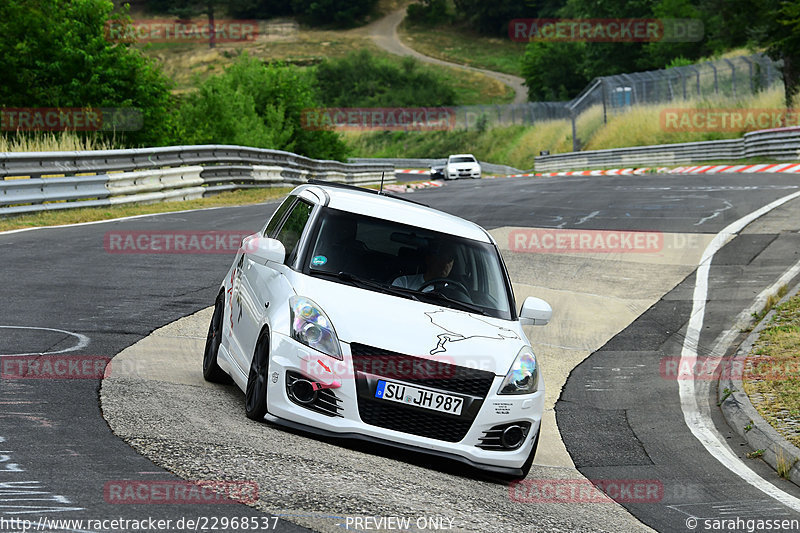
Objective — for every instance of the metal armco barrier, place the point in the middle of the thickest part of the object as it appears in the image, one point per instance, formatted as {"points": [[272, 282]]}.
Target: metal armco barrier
{"points": [[490, 168], [782, 144], [41, 181]]}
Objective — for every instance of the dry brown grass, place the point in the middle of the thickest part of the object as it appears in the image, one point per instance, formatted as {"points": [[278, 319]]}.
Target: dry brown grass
{"points": [[52, 142], [772, 372], [642, 125]]}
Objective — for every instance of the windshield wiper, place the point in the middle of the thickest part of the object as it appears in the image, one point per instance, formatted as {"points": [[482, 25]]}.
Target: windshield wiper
{"points": [[436, 295], [365, 283]]}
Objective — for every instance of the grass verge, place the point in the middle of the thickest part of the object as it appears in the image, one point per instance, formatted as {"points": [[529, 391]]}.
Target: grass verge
{"points": [[91, 214], [772, 371], [461, 45]]}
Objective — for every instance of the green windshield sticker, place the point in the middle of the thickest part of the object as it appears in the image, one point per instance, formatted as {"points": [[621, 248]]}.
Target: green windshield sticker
{"points": [[319, 260]]}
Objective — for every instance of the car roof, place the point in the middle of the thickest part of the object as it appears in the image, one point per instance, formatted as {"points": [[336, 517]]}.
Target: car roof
{"points": [[365, 202], [463, 155]]}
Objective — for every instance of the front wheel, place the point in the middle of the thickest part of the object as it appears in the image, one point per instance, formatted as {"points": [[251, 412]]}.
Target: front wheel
{"points": [[526, 468], [255, 399], [211, 370]]}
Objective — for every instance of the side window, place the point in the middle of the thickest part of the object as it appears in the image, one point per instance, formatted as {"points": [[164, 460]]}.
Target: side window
{"points": [[292, 229], [272, 226]]}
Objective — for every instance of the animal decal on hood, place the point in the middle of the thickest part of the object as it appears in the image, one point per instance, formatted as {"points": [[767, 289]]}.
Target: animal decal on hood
{"points": [[472, 327]]}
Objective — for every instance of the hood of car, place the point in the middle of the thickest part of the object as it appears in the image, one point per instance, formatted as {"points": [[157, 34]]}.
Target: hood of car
{"points": [[396, 324]]}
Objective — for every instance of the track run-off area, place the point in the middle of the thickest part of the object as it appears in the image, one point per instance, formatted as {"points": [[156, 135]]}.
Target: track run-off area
{"points": [[641, 272]]}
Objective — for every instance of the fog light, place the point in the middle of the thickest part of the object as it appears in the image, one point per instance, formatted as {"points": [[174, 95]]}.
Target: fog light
{"points": [[512, 437]]}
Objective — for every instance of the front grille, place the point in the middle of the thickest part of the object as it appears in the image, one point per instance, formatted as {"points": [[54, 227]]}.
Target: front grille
{"points": [[444, 376], [416, 422], [373, 364]]}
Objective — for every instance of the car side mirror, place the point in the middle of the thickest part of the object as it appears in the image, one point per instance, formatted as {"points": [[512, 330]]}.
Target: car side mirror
{"points": [[263, 249], [535, 312]]}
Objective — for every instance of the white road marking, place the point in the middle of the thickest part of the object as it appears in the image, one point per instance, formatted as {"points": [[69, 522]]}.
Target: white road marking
{"points": [[83, 341], [696, 421], [716, 213], [587, 217], [132, 217]]}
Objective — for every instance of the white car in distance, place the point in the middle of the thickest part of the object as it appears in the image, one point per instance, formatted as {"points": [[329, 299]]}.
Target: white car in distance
{"points": [[355, 314], [462, 166]]}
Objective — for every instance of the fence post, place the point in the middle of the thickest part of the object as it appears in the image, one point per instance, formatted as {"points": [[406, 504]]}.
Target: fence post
{"points": [[716, 85], [575, 145], [733, 76], [750, 74]]}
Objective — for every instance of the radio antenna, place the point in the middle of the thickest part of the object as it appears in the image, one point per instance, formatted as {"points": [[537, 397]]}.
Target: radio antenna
{"points": [[381, 189]]}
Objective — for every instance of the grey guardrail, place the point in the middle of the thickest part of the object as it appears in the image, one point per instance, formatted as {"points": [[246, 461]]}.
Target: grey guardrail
{"points": [[43, 181], [490, 168], [778, 144]]}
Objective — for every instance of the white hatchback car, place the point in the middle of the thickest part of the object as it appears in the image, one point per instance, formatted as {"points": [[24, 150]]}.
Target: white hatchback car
{"points": [[356, 314]]}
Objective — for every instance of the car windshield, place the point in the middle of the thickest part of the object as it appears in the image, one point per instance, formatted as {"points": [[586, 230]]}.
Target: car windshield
{"points": [[408, 261], [462, 160]]}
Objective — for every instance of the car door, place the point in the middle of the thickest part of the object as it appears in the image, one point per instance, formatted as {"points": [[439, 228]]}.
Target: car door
{"points": [[264, 284]]}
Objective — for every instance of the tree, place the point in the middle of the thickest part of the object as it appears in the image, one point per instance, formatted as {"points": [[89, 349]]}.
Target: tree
{"points": [[186, 9], [554, 71], [54, 53], [493, 16], [780, 33], [257, 105], [342, 13], [259, 9]]}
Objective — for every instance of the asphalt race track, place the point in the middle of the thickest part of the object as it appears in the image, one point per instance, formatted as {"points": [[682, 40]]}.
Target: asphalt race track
{"points": [[619, 414]]}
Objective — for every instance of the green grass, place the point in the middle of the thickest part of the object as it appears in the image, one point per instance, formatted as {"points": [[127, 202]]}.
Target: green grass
{"points": [[772, 372], [91, 214], [461, 45]]}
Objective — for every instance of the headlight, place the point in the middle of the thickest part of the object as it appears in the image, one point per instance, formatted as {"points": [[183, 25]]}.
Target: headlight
{"points": [[312, 327], [523, 378]]}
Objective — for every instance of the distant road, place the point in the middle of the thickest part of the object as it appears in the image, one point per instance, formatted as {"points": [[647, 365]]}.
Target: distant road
{"points": [[384, 33]]}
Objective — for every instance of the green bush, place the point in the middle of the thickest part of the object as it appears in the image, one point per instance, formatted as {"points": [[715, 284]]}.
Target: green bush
{"points": [[364, 80], [254, 104]]}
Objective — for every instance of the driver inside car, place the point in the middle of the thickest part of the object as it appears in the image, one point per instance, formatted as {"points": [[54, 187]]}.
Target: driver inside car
{"points": [[439, 259]]}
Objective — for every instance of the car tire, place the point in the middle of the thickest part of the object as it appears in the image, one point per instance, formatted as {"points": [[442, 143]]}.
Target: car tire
{"points": [[211, 370], [526, 467], [255, 398]]}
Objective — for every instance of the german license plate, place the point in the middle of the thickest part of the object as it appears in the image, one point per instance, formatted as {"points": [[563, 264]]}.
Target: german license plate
{"points": [[427, 399]]}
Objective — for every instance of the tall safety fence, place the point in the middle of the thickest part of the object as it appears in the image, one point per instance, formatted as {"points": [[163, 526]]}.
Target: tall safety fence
{"points": [[735, 77]]}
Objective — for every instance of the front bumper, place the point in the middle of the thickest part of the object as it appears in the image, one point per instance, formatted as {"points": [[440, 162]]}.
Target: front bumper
{"points": [[353, 390]]}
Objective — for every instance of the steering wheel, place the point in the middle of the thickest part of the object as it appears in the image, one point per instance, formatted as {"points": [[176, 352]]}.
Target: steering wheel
{"points": [[445, 283]]}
